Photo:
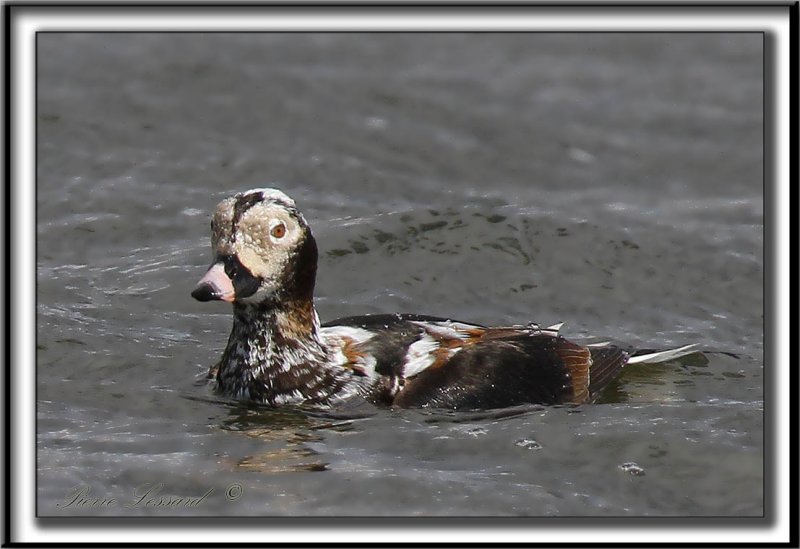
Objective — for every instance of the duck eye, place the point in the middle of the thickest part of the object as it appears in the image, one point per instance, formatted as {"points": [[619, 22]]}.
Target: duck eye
{"points": [[278, 231]]}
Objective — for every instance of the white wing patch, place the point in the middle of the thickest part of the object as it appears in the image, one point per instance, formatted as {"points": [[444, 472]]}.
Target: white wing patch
{"points": [[554, 328], [419, 355], [358, 335], [447, 329], [335, 337]]}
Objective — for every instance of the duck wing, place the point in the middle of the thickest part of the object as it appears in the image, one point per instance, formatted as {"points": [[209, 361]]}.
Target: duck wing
{"points": [[495, 373], [421, 360], [503, 367]]}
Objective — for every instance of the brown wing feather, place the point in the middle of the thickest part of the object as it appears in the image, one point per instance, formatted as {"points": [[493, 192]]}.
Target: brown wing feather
{"points": [[354, 355], [469, 337], [578, 361], [493, 373]]}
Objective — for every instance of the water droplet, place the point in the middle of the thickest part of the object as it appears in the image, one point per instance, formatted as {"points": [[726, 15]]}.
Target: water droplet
{"points": [[632, 469], [376, 123], [580, 155], [528, 444]]}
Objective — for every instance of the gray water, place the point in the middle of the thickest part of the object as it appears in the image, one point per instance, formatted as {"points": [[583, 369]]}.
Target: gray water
{"points": [[609, 181]]}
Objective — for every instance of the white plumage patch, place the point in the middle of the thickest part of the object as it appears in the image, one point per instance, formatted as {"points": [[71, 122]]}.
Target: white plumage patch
{"points": [[663, 356], [270, 194], [335, 337], [358, 335], [419, 355], [448, 329]]}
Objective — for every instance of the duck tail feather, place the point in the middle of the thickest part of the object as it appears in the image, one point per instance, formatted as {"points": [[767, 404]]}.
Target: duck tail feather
{"points": [[664, 356], [606, 364]]}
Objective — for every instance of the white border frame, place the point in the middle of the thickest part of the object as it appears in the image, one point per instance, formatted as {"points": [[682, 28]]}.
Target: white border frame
{"points": [[30, 19]]}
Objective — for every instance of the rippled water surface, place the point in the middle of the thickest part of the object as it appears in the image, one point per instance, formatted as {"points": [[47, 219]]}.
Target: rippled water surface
{"points": [[613, 182]]}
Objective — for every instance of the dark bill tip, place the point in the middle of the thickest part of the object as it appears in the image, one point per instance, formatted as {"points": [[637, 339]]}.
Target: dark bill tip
{"points": [[215, 285], [206, 292]]}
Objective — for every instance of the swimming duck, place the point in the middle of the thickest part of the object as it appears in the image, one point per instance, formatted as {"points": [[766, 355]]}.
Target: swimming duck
{"points": [[265, 264]]}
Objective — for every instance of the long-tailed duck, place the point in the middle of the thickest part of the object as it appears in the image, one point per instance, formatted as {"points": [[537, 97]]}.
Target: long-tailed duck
{"points": [[265, 264]]}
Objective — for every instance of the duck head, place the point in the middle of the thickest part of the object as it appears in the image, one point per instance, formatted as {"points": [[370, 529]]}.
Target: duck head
{"points": [[264, 252]]}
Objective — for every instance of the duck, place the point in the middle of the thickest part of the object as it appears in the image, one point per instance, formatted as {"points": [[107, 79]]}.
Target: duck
{"points": [[278, 353]]}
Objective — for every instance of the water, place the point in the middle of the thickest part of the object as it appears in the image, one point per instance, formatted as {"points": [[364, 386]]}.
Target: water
{"points": [[613, 182]]}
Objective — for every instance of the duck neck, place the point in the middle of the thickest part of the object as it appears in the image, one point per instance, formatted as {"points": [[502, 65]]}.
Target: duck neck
{"points": [[275, 355]]}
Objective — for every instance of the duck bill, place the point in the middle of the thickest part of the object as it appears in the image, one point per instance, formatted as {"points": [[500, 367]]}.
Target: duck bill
{"points": [[215, 286]]}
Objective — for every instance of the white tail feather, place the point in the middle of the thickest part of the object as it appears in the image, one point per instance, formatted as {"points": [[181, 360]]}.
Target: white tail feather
{"points": [[599, 344], [663, 356]]}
